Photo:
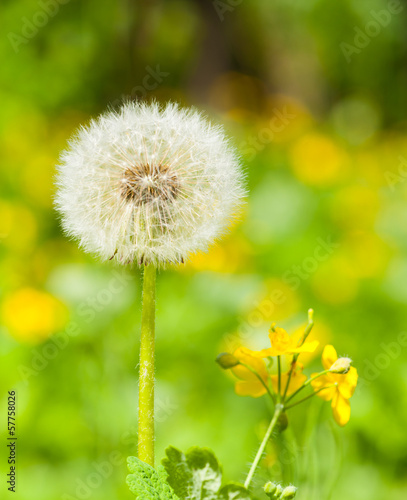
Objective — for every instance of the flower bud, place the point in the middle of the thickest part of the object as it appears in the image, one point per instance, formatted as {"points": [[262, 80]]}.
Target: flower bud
{"points": [[282, 422], [227, 360], [341, 366], [288, 493], [273, 490]]}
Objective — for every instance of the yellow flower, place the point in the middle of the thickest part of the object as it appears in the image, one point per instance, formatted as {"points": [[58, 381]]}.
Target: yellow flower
{"points": [[249, 384], [296, 381], [305, 159], [32, 315], [336, 388], [282, 343]]}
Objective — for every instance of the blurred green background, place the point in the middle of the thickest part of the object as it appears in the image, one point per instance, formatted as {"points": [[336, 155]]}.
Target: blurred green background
{"points": [[314, 95]]}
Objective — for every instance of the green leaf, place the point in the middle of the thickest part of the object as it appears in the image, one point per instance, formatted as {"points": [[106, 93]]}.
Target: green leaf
{"points": [[195, 475], [147, 483], [234, 492], [179, 473]]}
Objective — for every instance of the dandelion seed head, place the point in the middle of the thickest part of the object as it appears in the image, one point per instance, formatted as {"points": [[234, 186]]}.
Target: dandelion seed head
{"points": [[149, 184]]}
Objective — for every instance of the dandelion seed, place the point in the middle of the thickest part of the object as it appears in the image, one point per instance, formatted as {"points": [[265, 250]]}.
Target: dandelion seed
{"points": [[149, 184]]}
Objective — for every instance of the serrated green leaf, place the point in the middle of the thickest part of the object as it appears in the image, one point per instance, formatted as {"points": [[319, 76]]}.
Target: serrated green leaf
{"points": [[195, 475], [234, 492], [178, 471], [162, 473], [147, 483], [206, 471]]}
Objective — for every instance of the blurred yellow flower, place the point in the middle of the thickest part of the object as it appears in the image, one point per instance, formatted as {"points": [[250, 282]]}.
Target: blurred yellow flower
{"points": [[32, 316], [317, 160], [230, 256], [13, 218], [249, 383], [336, 388], [369, 166], [297, 380], [278, 300], [36, 179], [356, 207], [282, 343], [367, 254], [335, 281]]}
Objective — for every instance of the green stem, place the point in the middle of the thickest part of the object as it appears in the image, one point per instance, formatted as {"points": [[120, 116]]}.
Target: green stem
{"points": [[289, 378], [307, 331], [261, 380], [277, 412], [308, 328], [279, 376], [306, 384], [146, 378], [309, 396]]}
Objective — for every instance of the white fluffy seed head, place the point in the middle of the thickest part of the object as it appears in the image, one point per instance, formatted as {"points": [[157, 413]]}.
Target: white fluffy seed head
{"points": [[148, 184]]}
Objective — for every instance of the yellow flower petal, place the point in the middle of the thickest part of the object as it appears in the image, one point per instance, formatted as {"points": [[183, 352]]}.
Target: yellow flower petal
{"points": [[306, 347], [324, 382], [264, 353], [255, 389], [340, 409], [244, 355], [329, 356], [280, 341], [297, 380], [348, 382]]}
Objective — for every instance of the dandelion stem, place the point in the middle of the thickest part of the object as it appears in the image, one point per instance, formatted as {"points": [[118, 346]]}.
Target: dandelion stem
{"points": [[277, 412], [146, 379]]}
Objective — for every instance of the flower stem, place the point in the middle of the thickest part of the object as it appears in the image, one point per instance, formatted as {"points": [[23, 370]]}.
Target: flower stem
{"points": [[277, 412], [261, 380], [306, 384], [146, 378], [308, 327], [309, 396], [307, 331], [279, 377]]}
